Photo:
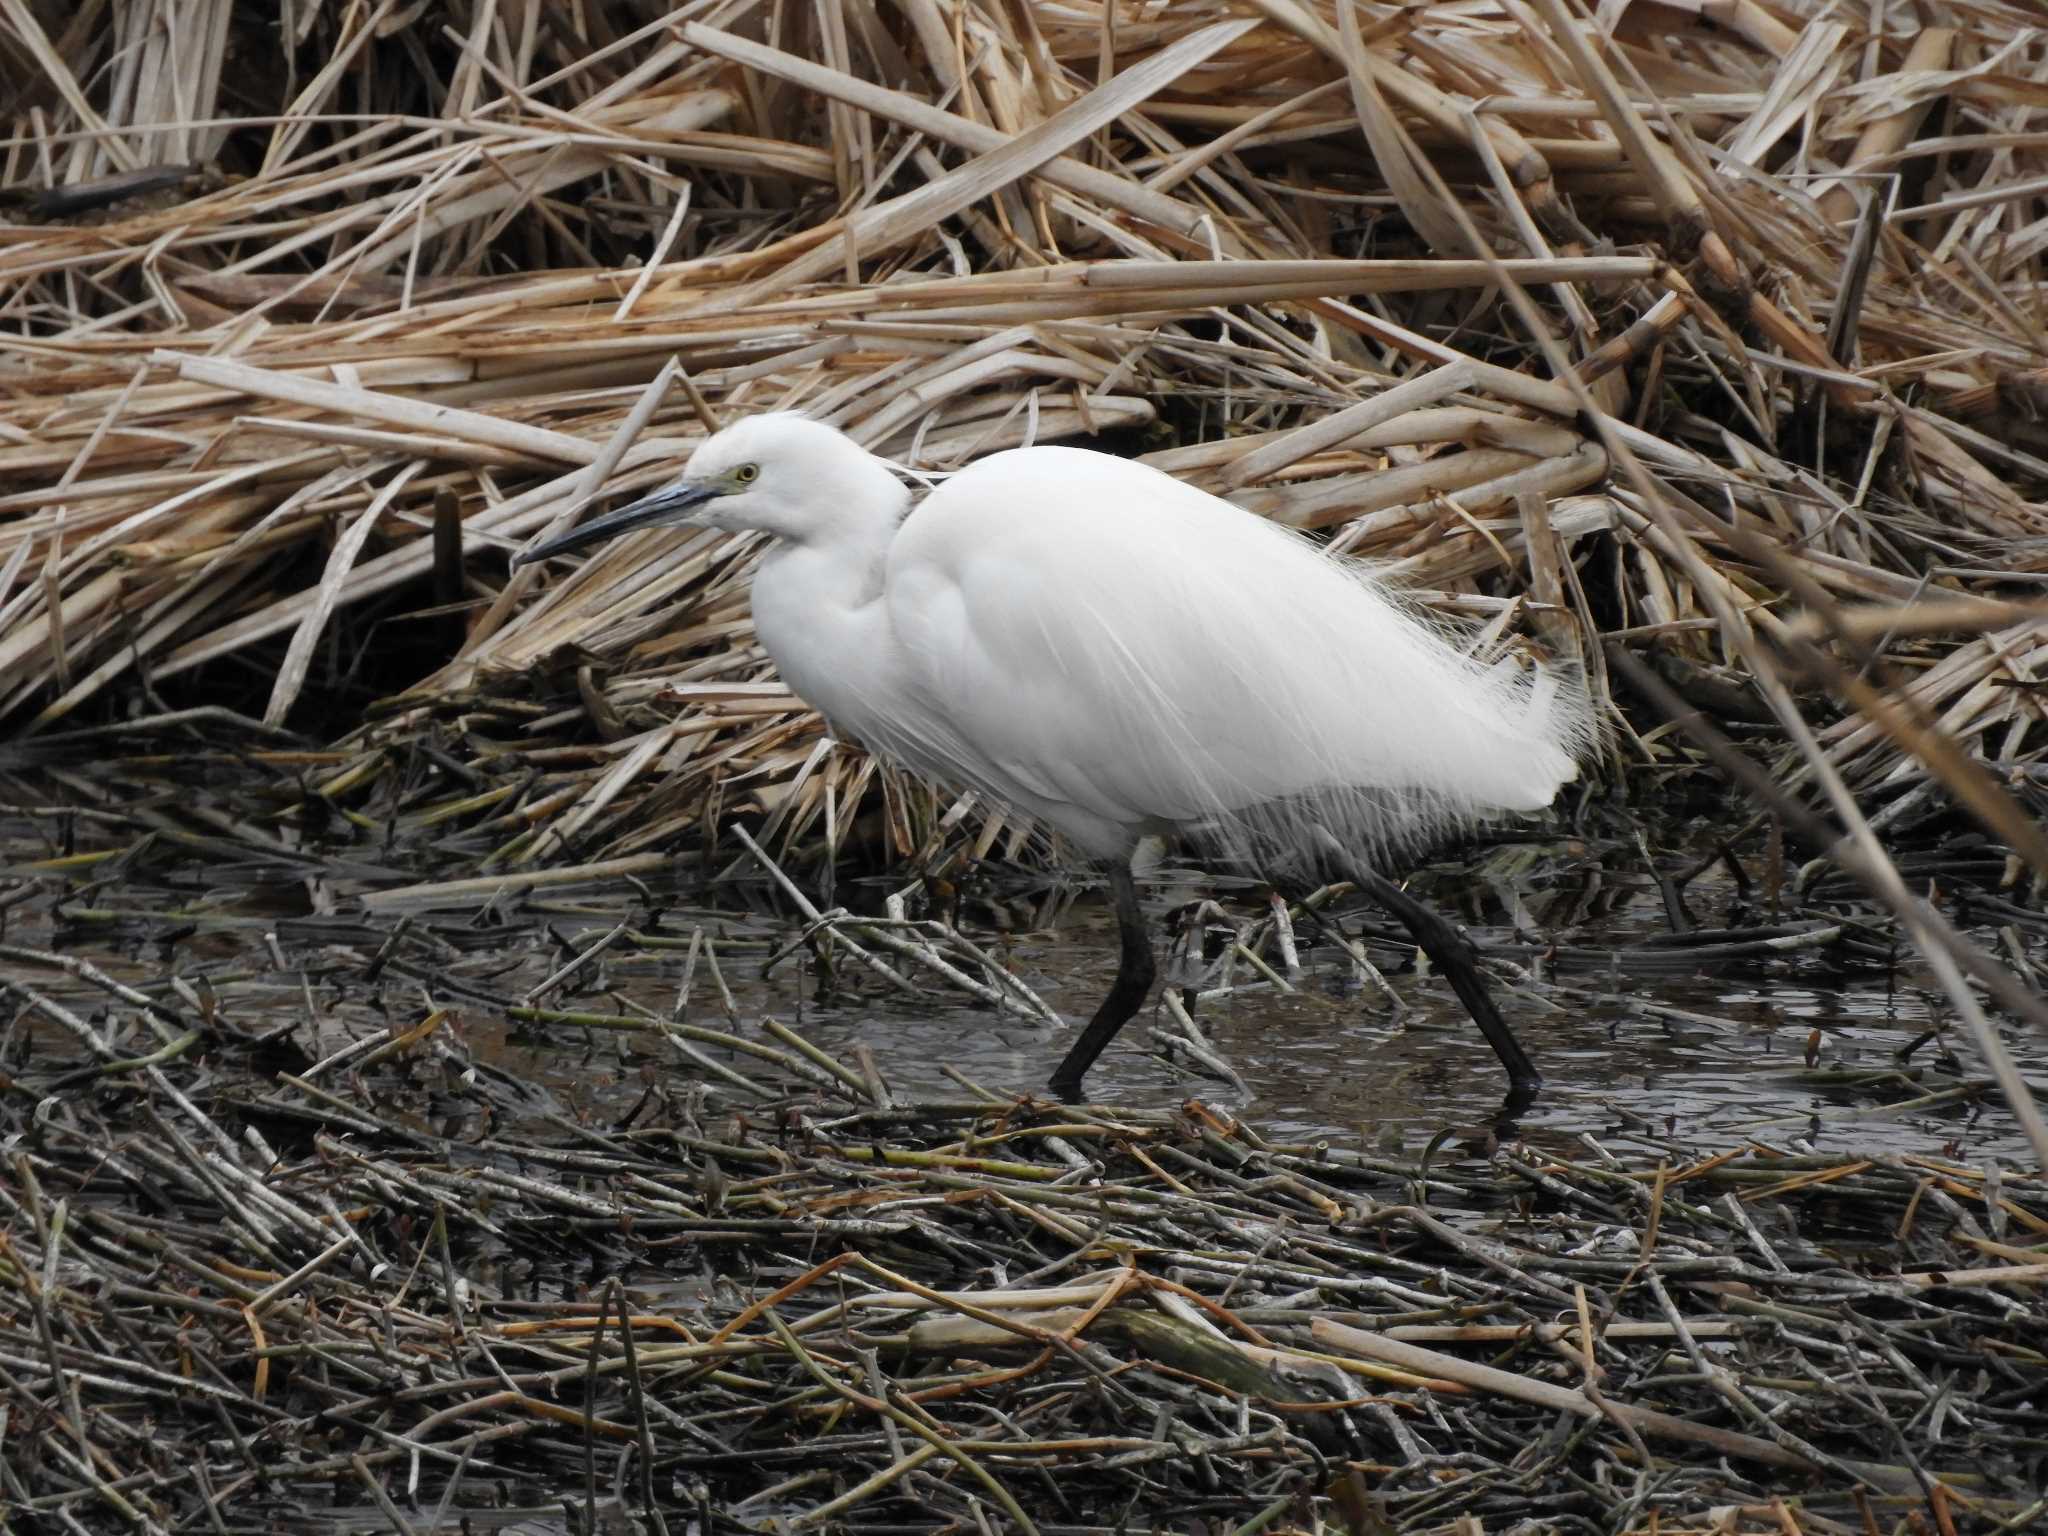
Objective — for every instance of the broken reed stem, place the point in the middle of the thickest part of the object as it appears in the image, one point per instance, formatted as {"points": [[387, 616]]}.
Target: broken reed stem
{"points": [[860, 1301]]}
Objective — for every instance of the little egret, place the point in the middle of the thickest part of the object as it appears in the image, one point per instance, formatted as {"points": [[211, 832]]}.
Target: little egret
{"points": [[1092, 643]]}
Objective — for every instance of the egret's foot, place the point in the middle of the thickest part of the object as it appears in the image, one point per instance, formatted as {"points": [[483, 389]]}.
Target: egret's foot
{"points": [[1135, 971], [1516, 1102]]}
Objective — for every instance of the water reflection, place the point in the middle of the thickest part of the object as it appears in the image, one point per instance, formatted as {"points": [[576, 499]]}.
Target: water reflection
{"points": [[1689, 1058]]}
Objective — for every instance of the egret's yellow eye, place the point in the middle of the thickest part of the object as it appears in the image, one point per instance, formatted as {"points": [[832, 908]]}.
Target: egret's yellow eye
{"points": [[747, 474]]}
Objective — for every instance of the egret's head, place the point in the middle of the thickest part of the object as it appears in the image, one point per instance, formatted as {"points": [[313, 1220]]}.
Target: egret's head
{"points": [[781, 473]]}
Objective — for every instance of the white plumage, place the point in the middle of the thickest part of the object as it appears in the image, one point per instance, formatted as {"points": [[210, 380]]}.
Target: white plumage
{"points": [[1112, 652]]}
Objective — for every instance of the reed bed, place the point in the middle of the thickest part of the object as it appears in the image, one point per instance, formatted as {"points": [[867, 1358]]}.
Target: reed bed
{"points": [[1709, 331]]}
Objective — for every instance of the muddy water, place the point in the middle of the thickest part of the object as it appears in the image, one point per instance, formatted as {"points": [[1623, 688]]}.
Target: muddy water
{"points": [[1793, 1051]]}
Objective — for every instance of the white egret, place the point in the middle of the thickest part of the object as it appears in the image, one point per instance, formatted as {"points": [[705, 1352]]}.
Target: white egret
{"points": [[1098, 646]]}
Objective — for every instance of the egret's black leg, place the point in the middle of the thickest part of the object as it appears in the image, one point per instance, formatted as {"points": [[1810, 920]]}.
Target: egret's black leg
{"points": [[1457, 957], [1454, 955], [1135, 969]]}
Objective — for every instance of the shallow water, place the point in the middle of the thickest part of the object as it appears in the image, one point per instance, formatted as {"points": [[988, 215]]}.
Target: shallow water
{"points": [[1330, 1059]]}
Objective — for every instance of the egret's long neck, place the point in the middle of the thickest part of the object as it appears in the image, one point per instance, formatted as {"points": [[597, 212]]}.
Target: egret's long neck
{"points": [[818, 606], [840, 543]]}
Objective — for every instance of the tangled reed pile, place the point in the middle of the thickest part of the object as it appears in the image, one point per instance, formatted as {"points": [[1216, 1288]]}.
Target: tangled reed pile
{"points": [[1709, 330]]}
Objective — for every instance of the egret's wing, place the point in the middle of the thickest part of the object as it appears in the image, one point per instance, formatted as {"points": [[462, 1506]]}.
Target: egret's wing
{"points": [[1103, 646]]}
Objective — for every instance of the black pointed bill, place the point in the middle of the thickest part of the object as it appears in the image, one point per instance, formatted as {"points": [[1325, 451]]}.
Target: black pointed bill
{"points": [[671, 504]]}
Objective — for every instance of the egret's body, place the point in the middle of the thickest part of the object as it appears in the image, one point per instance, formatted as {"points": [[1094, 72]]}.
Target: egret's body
{"points": [[1111, 652]]}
